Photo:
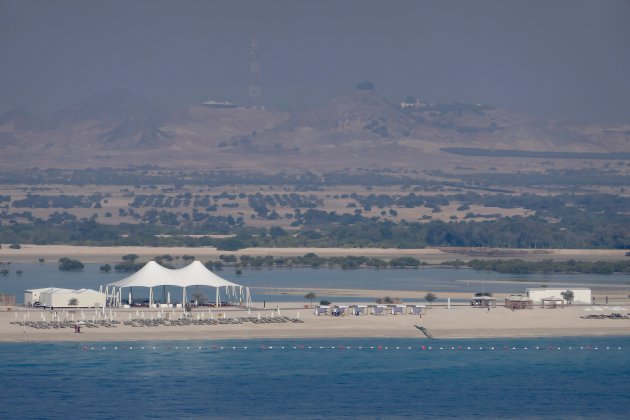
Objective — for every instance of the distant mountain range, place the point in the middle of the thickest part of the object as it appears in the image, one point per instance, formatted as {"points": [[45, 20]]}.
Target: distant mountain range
{"points": [[359, 129]]}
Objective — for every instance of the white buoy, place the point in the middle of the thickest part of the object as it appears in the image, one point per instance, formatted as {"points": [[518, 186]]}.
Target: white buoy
{"points": [[249, 311], [449, 303], [298, 315], [258, 315]]}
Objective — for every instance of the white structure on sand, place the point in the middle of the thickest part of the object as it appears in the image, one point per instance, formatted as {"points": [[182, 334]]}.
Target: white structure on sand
{"points": [[581, 295], [195, 274], [54, 297]]}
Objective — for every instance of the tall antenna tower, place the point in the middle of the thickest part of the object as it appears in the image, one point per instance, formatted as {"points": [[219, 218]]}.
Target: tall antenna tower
{"points": [[255, 91]]}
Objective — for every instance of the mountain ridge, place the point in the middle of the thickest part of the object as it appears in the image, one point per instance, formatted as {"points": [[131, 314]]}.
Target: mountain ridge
{"points": [[355, 129]]}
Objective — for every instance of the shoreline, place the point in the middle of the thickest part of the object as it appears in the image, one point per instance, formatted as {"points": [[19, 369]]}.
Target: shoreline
{"points": [[431, 255], [459, 322]]}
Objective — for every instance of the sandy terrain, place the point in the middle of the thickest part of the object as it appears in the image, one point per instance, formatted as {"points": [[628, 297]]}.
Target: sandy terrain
{"points": [[31, 253], [456, 322]]}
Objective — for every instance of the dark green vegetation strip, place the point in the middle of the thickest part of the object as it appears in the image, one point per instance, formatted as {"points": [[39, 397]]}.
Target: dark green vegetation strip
{"points": [[471, 151], [558, 221], [518, 266]]}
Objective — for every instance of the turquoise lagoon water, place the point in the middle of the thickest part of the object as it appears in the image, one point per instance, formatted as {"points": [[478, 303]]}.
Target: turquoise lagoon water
{"points": [[359, 378], [438, 280]]}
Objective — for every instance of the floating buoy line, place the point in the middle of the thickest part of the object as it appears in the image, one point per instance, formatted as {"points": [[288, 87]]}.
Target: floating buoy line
{"points": [[303, 347]]}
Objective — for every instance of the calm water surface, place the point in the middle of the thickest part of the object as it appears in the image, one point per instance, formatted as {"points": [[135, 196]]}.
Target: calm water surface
{"points": [[564, 378], [438, 280]]}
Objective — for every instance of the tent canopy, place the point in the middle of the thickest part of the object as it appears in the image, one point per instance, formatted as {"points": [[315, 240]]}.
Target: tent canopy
{"points": [[153, 274]]}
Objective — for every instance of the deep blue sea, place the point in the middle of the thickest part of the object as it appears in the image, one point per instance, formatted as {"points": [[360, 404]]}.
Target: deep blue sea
{"points": [[359, 378]]}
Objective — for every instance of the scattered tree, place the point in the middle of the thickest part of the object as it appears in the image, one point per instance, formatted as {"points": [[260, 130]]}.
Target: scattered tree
{"points": [[568, 295], [68, 264], [310, 296], [228, 258], [130, 257], [430, 297], [73, 302], [105, 268]]}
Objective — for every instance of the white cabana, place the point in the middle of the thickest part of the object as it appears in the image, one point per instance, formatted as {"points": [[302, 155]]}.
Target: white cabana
{"points": [[194, 274], [54, 297]]}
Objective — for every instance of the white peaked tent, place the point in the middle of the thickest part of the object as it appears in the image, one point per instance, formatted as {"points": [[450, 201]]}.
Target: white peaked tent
{"points": [[194, 274]]}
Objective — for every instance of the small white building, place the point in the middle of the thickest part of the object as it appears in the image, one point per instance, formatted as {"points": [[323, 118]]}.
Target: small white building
{"points": [[31, 296], [581, 295], [54, 297]]}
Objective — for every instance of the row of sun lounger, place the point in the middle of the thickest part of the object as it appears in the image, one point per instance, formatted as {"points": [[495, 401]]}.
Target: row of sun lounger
{"points": [[602, 316], [46, 325], [219, 321]]}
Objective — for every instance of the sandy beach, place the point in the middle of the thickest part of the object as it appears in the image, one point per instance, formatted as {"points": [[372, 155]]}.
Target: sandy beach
{"points": [[457, 322], [432, 255]]}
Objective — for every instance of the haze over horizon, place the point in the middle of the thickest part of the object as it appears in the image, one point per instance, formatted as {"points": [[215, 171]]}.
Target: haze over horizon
{"points": [[562, 59]]}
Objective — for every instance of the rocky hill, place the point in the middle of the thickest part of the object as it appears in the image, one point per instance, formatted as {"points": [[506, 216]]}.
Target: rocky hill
{"points": [[354, 130]]}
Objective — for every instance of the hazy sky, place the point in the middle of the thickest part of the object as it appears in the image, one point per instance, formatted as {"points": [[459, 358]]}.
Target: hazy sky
{"points": [[551, 58]]}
